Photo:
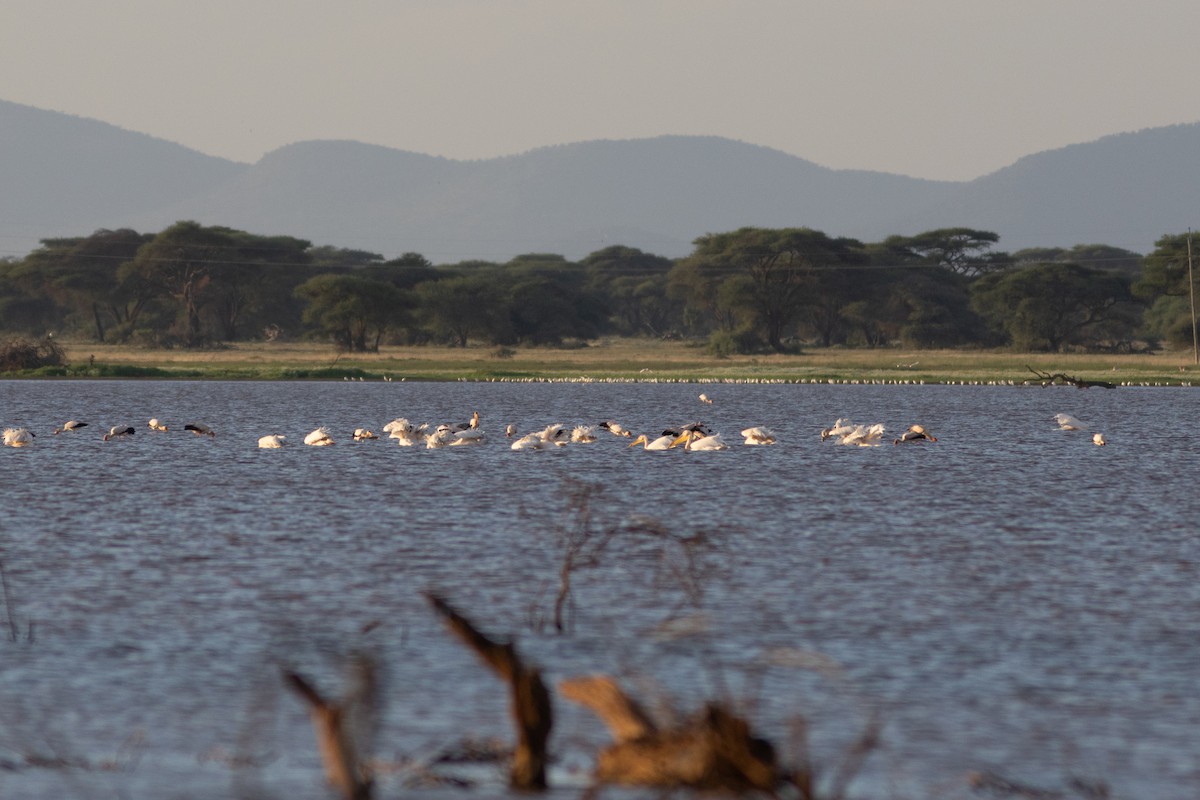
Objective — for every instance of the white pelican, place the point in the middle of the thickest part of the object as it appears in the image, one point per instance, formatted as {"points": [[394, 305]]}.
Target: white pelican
{"points": [[551, 436], [118, 432], [1098, 438], [864, 436], [694, 440], [404, 432], [155, 425], [271, 441], [362, 435], [758, 435], [510, 430], [440, 437], [319, 438], [838, 429], [583, 434], [661, 443], [915, 433], [71, 425], [1068, 423], [200, 429], [468, 437], [615, 428], [18, 437], [705, 399]]}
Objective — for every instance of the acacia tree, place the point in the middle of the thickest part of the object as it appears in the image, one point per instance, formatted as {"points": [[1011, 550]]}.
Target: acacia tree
{"points": [[1049, 306], [965, 251], [354, 312], [791, 271], [1164, 283]]}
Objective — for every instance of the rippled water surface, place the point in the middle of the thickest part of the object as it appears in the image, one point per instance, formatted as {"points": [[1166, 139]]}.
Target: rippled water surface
{"points": [[1011, 600]]}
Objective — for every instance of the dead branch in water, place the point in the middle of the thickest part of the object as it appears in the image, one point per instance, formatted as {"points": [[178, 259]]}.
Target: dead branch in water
{"points": [[530, 701], [1054, 378], [713, 750], [344, 769]]}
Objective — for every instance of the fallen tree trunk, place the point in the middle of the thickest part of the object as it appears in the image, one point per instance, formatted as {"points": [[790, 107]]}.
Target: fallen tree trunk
{"points": [[530, 701], [1053, 378]]}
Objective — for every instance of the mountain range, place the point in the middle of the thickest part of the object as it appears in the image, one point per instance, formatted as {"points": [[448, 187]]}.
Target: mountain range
{"points": [[62, 175]]}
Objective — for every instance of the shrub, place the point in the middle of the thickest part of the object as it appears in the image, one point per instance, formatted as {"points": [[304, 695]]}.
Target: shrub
{"points": [[24, 354]]}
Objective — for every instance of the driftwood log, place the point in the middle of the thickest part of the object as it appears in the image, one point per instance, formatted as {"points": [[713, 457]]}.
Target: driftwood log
{"points": [[712, 751], [1053, 378], [530, 701], [343, 768]]}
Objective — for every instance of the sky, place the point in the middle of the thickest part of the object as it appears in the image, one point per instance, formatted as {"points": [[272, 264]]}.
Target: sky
{"points": [[939, 89]]}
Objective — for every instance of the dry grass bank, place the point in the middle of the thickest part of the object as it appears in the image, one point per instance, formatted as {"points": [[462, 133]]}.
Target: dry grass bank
{"points": [[627, 359]]}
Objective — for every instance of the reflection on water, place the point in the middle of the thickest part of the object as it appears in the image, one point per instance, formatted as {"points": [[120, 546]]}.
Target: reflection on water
{"points": [[1011, 600]]}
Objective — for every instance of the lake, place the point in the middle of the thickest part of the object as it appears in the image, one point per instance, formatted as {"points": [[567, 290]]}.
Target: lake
{"points": [[1011, 602]]}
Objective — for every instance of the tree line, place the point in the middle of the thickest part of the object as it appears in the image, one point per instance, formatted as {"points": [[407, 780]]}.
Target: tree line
{"points": [[749, 290]]}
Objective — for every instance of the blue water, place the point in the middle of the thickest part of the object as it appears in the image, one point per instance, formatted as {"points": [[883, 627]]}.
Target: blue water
{"points": [[1010, 600]]}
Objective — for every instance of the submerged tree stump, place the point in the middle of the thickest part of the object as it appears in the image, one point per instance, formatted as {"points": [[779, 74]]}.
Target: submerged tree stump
{"points": [[1053, 378], [529, 700], [712, 751]]}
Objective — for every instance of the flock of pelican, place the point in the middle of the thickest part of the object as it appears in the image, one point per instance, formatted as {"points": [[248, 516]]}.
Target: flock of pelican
{"points": [[695, 436]]}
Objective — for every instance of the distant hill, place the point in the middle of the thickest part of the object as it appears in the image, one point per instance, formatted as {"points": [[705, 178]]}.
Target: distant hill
{"points": [[65, 175]]}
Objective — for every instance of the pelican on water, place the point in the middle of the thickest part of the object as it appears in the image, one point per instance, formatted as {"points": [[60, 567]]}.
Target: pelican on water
{"points": [[758, 435], [1068, 423], [18, 437], [71, 425], [1098, 438], [694, 440], [155, 425], [915, 433], [118, 432], [319, 438], [404, 432], [705, 399], [837, 429], [864, 435], [551, 436], [200, 429], [271, 441], [362, 435], [583, 434], [661, 443], [615, 428]]}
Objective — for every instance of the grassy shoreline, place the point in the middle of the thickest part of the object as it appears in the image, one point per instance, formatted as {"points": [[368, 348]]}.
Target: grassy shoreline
{"points": [[614, 360]]}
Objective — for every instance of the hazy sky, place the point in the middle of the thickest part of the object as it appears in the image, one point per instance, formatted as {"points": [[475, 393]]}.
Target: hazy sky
{"points": [[948, 89]]}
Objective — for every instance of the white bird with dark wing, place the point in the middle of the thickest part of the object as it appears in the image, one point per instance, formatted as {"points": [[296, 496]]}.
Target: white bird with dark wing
{"points": [[615, 428], [758, 435], [468, 437], [271, 441], [319, 438], [200, 429], [915, 433], [71, 425], [118, 432], [18, 437]]}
